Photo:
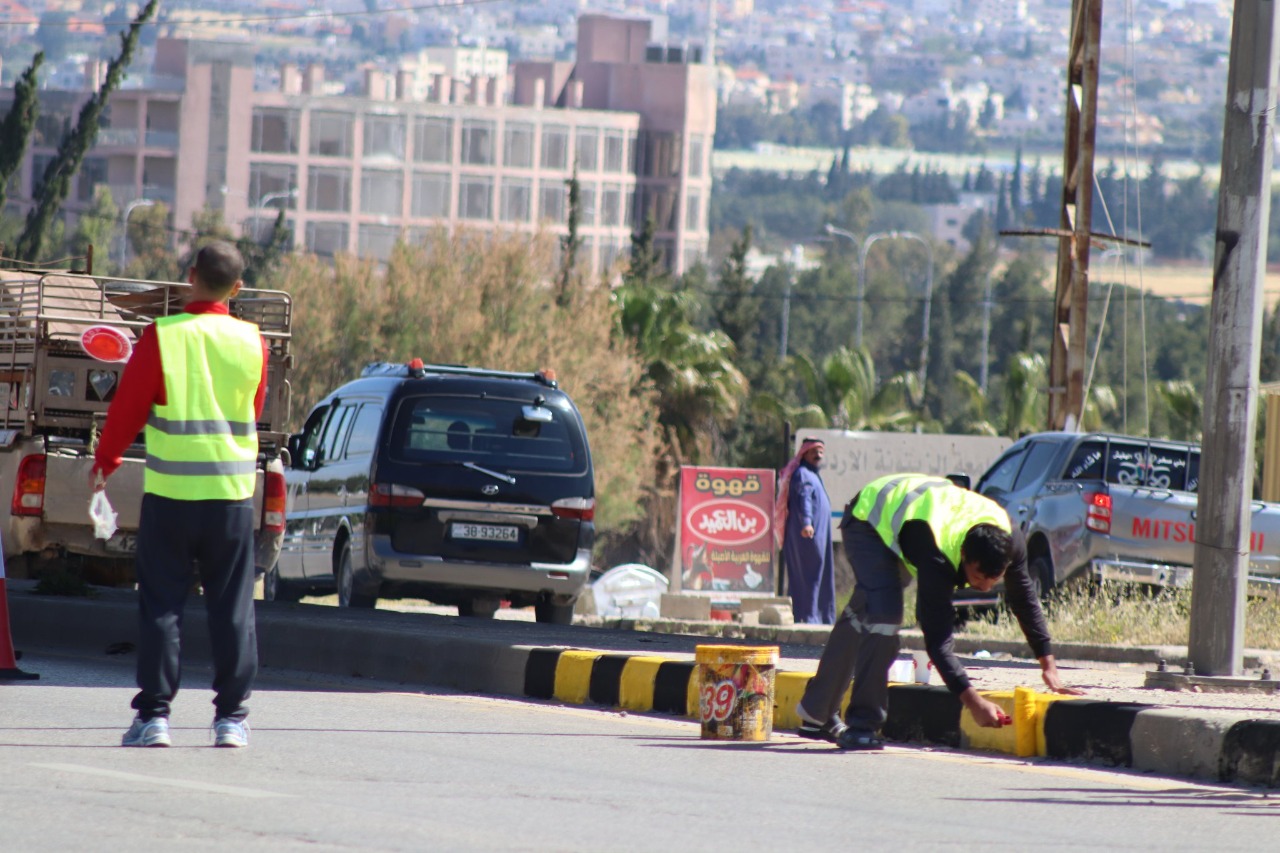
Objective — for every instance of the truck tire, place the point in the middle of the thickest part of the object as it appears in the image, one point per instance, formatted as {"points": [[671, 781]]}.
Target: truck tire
{"points": [[547, 609], [1041, 571], [479, 606], [350, 595], [274, 588]]}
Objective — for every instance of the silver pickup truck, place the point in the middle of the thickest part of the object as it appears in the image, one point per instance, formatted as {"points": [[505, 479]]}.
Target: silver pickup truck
{"points": [[1115, 507]]}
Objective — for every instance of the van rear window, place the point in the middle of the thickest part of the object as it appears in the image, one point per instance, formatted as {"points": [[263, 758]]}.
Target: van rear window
{"points": [[494, 433]]}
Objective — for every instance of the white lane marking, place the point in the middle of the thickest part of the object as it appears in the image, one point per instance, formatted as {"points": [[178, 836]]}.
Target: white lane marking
{"points": [[207, 787]]}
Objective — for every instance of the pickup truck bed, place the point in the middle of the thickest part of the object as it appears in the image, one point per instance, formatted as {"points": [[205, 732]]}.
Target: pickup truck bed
{"points": [[54, 397]]}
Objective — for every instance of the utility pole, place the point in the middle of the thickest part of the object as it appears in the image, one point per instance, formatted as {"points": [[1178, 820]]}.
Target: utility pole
{"points": [[1216, 644], [1067, 353]]}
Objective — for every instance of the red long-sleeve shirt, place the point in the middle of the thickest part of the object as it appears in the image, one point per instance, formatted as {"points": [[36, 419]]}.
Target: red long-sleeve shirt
{"points": [[142, 386]]}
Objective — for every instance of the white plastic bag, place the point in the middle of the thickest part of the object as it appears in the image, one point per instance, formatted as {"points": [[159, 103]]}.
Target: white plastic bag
{"points": [[102, 515]]}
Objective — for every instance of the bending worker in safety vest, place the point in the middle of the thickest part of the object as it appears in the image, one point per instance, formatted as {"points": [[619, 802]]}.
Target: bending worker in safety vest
{"points": [[945, 537], [197, 381]]}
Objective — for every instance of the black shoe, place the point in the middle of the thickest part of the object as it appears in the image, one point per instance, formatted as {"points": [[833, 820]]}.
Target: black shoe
{"points": [[829, 731], [859, 739]]}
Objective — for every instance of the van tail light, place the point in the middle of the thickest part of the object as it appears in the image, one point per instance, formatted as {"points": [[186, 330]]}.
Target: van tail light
{"points": [[1097, 511], [28, 488], [393, 494], [273, 502], [579, 509]]}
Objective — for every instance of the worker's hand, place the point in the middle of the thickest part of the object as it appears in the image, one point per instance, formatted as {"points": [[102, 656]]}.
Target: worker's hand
{"points": [[1049, 672], [985, 713], [97, 482], [807, 531]]}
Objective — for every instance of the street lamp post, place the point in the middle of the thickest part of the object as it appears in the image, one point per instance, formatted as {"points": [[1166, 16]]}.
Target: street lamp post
{"points": [[986, 330], [266, 199], [797, 255], [867, 243], [124, 225]]}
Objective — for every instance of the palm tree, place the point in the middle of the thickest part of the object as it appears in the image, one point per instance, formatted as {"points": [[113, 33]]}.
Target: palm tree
{"points": [[1185, 406], [692, 371], [845, 393], [1023, 408]]}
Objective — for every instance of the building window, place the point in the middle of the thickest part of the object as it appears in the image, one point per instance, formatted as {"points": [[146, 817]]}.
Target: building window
{"points": [[377, 241], [555, 147], [615, 151], [587, 205], [517, 146], [516, 200], [588, 142], [431, 194], [629, 207], [433, 140], [660, 154], [475, 197], [329, 190], [92, 173], [611, 205], [551, 201], [697, 154], [477, 142], [693, 212], [381, 192], [326, 238], [275, 131], [659, 204], [272, 179], [331, 134], [384, 137], [632, 146]]}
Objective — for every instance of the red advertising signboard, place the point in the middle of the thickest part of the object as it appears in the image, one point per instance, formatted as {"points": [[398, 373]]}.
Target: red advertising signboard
{"points": [[726, 530]]}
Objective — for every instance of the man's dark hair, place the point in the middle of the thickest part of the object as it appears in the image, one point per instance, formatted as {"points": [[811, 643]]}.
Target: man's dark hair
{"points": [[990, 546], [219, 265]]}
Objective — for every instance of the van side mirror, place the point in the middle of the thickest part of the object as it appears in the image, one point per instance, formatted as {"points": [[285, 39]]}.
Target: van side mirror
{"points": [[961, 480]]}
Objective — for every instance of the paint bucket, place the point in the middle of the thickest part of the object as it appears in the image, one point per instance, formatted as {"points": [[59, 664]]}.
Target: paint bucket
{"points": [[736, 691]]}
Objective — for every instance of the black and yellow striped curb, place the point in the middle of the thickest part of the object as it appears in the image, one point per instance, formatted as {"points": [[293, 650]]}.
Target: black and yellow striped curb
{"points": [[466, 655]]}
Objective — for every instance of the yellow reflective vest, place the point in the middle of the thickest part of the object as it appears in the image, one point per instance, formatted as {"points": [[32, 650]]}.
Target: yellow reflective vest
{"points": [[889, 502], [202, 444]]}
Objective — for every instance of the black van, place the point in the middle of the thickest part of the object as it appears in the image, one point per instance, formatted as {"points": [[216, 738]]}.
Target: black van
{"points": [[454, 484]]}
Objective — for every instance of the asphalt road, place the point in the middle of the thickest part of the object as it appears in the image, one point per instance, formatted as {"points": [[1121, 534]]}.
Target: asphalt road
{"points": [[349, 765]]}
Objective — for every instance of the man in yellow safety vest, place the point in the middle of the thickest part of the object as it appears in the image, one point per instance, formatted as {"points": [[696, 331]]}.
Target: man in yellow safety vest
{"points": [[196, 381], [945, 537]]}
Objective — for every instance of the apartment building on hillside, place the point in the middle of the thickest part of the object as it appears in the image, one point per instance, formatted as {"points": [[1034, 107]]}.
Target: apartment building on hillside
{"points": [[418, 148]]}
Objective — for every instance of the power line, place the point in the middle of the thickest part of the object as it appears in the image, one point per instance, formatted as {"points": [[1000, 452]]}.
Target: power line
{"points": [[251, 19]]}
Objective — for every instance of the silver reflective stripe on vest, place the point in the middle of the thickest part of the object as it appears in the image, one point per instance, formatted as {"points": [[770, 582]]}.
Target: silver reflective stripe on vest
{"points": [[202, 469], [911, 496], [213, 427]]}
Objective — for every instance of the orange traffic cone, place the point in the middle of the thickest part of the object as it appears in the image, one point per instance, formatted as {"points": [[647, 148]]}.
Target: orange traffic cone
{"points": [[8, 660]]}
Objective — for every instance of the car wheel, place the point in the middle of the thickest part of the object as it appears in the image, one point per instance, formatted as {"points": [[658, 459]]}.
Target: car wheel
{"points": [[1041, 571], [553, 611], [479, 607], [348, 594], [274, 588]]}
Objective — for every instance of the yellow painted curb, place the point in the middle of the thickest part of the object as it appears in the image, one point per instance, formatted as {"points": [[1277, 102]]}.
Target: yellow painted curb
{"points": [[1003, 739], [635, 686], [573, 675]]}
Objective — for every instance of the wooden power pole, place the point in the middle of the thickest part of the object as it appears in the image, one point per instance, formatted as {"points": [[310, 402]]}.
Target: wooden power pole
{"points": [[1067, 353]]}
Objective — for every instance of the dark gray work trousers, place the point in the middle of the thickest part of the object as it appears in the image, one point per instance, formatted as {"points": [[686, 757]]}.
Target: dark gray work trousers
{"points": [[864, 641], [175, 540]]}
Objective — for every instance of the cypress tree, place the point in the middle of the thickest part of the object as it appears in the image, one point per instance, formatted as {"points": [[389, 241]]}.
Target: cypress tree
{"points": [[56, 182], [571, 242], [16, 128]]}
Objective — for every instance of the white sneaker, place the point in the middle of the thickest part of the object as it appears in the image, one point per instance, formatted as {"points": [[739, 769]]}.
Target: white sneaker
{"points": [[152, 732]]}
